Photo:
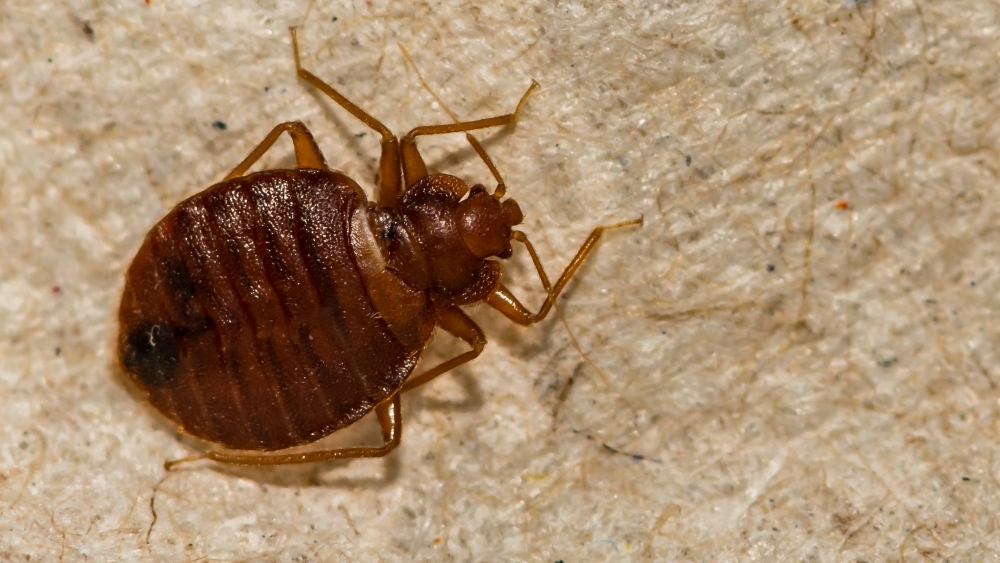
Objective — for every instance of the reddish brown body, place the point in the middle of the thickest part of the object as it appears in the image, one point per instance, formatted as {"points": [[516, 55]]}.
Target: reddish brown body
{"points": [[248, 319], [276, 307]]}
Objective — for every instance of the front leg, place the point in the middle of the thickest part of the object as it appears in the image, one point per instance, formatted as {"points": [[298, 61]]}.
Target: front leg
{"points": [[504, 301]]}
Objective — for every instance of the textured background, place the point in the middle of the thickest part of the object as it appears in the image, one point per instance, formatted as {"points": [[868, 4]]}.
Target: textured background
{"points": [[795, 359]]}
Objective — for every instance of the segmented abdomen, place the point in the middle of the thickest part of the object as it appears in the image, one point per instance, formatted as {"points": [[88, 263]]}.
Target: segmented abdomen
{"points": [[245, 319]]}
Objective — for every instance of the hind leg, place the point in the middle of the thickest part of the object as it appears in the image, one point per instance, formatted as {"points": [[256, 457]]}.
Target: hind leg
{"points": [[389, 418], [389, 163], [307, 153]]}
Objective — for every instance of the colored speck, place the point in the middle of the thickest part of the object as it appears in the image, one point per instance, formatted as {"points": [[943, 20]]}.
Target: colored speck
{"points": [[56, 290], [842, 204], [611, 543]]}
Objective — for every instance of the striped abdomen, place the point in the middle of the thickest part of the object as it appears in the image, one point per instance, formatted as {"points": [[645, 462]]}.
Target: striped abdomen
{"points": [[245, 317]]}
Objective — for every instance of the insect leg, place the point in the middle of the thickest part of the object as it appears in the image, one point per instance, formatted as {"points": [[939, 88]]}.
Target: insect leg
{"points": [[453, 320], [389, 418], [307, 154], [413, 164], [389, 179], [504, 301], [501, 187]]}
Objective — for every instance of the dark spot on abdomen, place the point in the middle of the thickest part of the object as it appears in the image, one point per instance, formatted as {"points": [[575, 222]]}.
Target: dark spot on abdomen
{"points": [[178, 279], [152, 354]]}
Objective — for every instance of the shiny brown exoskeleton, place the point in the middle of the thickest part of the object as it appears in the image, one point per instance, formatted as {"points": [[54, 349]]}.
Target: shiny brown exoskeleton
{"points": [[274, 308]]}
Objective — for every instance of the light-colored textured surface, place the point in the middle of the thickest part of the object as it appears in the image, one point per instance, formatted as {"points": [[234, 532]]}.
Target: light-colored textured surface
{"points": [[800, 342]]}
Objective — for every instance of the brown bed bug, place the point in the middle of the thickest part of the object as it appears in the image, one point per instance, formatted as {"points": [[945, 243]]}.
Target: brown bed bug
{"points": [[277, 307]]}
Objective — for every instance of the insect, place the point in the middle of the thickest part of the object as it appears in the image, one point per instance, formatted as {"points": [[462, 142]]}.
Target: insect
{"points": [[277, 307]]}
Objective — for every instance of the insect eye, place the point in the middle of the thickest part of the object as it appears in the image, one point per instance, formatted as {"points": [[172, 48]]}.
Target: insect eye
{"points": [[512, 212]]}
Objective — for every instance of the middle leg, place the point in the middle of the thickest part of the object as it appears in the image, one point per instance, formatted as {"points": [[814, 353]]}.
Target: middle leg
{"points": [[453, 320]]}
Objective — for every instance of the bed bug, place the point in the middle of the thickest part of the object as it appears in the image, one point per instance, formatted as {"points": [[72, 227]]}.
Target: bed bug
{"points": [[277, 307]]}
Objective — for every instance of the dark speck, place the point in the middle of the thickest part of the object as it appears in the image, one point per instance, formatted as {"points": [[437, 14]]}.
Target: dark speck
{"points": [[178, 279], [58, 350], [687, 159], [267, 88], [88, 30], [151, 353], [220, 125], [770, 267], [334, 19], [50, 59], [359, 135], [973, 284], [966, 479]]}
